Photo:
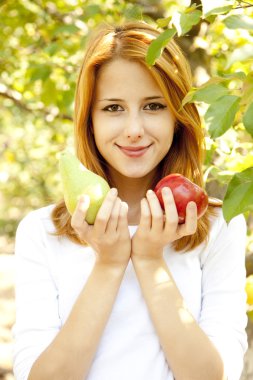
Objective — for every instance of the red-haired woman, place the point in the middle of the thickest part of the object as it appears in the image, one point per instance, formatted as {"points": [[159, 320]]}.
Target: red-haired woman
{"points": [[136, 295]]}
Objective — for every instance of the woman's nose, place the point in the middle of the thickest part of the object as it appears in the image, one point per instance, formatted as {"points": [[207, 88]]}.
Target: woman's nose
{"points": [[134, 128]]}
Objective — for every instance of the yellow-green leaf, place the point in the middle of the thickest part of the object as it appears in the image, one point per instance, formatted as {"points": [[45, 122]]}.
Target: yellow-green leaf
{"points": [[247, 90], [216, 7], [210, 93], [189, 97], [239, 22], [248, 119], [239, 195], [65, 29], [156, 47], [184, 22], [163, 22], [220, 115], [39, 71]]}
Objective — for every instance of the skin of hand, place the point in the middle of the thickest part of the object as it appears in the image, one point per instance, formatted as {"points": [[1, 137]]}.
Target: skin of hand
{"points": [[109, 236], [157, 229]]}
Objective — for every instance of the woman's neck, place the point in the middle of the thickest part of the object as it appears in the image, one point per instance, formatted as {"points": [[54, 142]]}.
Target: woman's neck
{"points": [[131, 191]]}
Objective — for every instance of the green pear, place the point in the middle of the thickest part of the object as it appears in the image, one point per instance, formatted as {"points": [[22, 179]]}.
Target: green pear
{"points": [[77, 180]]}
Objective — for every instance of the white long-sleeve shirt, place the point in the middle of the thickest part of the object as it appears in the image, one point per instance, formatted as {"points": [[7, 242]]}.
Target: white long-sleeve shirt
{"points": [[51, 272]]}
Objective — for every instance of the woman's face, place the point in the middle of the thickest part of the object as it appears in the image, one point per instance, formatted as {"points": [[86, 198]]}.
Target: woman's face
{"points": [[133, 127]]}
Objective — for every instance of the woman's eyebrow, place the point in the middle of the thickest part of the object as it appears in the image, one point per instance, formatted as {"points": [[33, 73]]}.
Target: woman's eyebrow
{"points": [[121, 100]]}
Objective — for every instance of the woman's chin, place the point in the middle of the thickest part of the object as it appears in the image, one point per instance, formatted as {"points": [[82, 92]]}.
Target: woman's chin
{"points": [[134, 173]]}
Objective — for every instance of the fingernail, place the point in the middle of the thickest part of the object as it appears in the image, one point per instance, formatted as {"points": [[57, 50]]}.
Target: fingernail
{"points": [[125, 205], [166, 191], [114, 191], [192, 205], [149, 192], [84, 200]]}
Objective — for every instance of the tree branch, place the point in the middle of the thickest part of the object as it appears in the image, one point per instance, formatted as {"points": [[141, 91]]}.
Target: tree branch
{"points": [[241, 6], [8, 95]]}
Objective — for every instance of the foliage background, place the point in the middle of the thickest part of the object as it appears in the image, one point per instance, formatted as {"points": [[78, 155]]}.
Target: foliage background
{"points": [[41, 47]]}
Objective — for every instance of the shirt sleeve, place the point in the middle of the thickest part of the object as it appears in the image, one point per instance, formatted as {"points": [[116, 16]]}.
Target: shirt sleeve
{"points": [[223, 312], [37, 317]]}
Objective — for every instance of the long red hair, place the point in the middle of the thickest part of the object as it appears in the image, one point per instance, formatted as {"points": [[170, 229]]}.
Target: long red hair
{"points": [[172, 73]]}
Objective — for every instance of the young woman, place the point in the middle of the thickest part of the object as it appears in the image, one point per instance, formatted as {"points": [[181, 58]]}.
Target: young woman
{"points": [[136, 295]]}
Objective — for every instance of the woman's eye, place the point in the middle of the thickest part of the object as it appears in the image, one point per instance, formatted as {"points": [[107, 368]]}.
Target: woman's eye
{"points": [[113, 108], [154, 106]]}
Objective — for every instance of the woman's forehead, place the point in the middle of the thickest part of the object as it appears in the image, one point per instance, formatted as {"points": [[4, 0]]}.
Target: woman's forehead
{"points": [[121, 76]]}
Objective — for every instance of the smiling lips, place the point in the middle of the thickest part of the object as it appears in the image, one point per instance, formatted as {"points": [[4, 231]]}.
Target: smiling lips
{"points": [[131, 151]]}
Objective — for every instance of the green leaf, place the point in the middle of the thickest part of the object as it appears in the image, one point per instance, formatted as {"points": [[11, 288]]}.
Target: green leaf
{"points": [[91, 11], [239, 196], [39, 71], [189, 98], [248, 119], [66, 99], [52, 48], [220, 115], [239, 22], [133, 12], [207, 93], [211, 8], [247, 91], [219, 10], [184, 22], [156, 47], [65, 29], [235, 75], [213, 89], [49, 93], [210, 93], [163, 22]]}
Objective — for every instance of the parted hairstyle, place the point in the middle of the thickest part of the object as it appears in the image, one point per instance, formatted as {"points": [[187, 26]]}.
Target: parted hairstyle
{"points": [[172, 73]]}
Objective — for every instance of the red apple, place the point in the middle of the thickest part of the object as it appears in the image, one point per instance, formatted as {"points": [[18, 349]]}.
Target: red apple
{"points": [[184, 191]]}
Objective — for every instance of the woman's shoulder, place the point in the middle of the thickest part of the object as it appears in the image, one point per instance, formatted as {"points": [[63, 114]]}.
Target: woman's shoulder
{"points": [[37, 218], [218, 223], [226, 239]]}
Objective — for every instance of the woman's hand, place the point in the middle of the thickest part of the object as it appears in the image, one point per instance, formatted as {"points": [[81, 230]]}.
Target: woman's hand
{"points": [[157, 229], [109, 236]]}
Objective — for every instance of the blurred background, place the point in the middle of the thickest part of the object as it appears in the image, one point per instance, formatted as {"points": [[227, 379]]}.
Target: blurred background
{"points": [[41, 47]]}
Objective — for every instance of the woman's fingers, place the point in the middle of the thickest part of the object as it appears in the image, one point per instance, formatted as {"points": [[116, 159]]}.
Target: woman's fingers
{"points": [[118, 219], [171, 215], [78, 218], [145, 220], [152, 216], [191, 220], [105, 211], [156, 211], [78, 222], [114, 217], [123, 221]]}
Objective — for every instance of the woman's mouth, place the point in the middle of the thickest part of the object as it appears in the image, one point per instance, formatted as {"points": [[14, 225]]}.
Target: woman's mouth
{"points": [[134, 151]]}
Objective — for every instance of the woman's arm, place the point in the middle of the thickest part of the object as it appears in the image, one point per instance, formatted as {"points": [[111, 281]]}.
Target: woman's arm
{"points": [[190, 353], [70, 354]]}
